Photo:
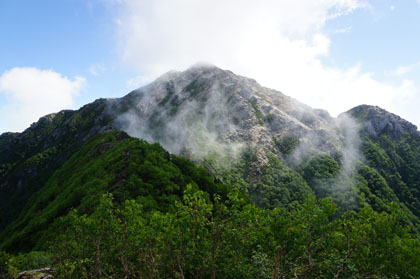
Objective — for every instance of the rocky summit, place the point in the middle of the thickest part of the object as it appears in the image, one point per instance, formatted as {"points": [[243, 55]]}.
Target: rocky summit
{"points": [[206, 109], [376, 121]]}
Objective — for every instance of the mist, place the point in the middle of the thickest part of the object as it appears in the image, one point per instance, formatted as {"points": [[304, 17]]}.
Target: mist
{"points": [[213, 116], [196, 128]]}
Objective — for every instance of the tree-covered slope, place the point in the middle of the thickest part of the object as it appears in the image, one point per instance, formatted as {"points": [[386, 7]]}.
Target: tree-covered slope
{"points": [[391, 146], [28, 159], [108, 163], [208, 237]]}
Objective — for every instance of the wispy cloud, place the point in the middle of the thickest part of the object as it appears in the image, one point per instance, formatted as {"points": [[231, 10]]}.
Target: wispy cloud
{"points": [[342, 30], [403, 70], [138, 81], [97, 69]]}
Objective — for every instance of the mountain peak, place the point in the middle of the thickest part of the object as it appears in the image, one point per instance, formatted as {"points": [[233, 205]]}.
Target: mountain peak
{"points": [[378, 121], [208, 109]]}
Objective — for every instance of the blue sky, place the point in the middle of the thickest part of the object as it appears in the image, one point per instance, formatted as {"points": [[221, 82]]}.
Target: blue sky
{"points": [[67, 36], [382, 38], [330, 54]]}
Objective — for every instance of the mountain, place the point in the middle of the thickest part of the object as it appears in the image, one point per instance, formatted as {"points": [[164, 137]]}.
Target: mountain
{"points": [[205, 104], [215, 118], [255, 139]]}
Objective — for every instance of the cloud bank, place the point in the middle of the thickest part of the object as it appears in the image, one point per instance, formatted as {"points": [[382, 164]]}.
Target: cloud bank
{"points": [[31, 93], [283, 44]]}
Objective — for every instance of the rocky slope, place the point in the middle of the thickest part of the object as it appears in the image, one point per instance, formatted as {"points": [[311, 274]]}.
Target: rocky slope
{"points": [[377, 121], [206, 109]]}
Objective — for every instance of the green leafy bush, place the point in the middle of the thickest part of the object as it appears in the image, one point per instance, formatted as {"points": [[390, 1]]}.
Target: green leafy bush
{"points": [[211, 238]]}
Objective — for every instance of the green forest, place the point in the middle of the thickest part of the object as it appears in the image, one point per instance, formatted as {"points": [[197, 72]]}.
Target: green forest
{"points": [[206, 236], [120, 207]]}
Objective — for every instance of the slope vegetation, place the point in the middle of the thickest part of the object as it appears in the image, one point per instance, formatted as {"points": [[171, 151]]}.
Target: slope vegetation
{"points": [[108, 163]]}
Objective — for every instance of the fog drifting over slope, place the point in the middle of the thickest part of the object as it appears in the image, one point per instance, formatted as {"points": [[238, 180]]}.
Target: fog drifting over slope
{"points": [[206, 113]]}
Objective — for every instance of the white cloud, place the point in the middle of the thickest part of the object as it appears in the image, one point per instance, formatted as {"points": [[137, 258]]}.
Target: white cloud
{"points": [[31, 93], [402, 70], [156, 36], [97, 69], [280, 43], [342, 30], [138, 81]]}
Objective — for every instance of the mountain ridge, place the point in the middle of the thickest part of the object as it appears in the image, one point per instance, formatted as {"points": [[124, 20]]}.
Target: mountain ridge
{"points": [[257, 139], [195, 71]]}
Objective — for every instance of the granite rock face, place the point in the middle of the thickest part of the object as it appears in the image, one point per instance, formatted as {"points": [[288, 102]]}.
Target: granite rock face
{"points": [[376, 121], [43, 273]]}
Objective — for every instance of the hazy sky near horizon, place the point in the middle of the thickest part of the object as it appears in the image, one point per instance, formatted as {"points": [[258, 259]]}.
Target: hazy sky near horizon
{"points": [[329, 54]]}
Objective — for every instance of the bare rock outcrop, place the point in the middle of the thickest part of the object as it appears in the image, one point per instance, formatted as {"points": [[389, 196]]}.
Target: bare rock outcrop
{"points": [[376, 121], [43, 273]]}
